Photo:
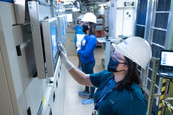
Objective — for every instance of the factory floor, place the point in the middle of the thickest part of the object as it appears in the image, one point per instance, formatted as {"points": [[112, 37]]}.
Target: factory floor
{"points": [[72, 104]]}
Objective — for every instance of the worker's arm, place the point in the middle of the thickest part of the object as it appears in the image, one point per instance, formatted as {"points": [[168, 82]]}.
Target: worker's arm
{"points": [[78, 75], [72, 27]]}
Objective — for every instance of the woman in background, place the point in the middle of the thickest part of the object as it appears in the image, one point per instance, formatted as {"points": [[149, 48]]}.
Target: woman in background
{"points": [[86, 52]]}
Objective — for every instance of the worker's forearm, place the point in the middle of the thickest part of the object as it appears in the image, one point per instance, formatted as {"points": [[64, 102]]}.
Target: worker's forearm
{"points": [[80, 76]]}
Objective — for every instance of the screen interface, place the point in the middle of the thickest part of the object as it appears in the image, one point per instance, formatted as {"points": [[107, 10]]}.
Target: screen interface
{"points": [[62, 30], [62, 27], [167, 59], [54, 41]]}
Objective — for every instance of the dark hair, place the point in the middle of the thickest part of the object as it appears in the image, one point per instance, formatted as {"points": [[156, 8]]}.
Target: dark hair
{"points": [[92, 30], [85, 28], [130, 77]]}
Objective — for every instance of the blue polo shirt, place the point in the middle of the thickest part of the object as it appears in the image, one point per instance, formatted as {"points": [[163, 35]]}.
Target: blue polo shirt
{"points": [[117, 102], [79, 30], [88, 45]]}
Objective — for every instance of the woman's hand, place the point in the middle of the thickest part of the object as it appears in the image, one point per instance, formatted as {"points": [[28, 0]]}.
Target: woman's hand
{"points": [[61, 48], [64, 58]]}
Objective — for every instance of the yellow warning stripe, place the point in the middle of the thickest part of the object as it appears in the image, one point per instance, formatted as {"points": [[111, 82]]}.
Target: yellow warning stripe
{"points": [[160, 105], [43, 100], [169, 109], [160, 112], [162, 96], [163, 88], [164, 80], [163, 102]]}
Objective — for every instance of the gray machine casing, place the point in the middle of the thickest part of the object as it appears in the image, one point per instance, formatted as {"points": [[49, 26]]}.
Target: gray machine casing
{"points": [[50, 61], [22, 94]]}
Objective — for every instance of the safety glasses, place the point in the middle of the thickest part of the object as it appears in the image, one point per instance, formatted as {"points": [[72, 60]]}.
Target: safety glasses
{"points": [[117, 56], [85, 23]]}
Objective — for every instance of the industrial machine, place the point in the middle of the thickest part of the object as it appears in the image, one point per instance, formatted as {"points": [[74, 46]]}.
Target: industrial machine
{"points": [[32, 75]]}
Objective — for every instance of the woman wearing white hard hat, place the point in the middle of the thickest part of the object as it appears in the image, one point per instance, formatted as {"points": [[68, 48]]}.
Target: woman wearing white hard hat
{"points": [[86, 52], [119, 91]]}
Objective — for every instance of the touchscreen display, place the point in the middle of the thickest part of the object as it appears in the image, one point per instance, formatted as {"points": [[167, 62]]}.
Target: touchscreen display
{"points": [[54, 41], [62, 30]]}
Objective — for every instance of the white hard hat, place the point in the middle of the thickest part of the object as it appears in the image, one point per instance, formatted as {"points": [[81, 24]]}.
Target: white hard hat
{"points": [[136, 49], [80, 17], [89, 17]]}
